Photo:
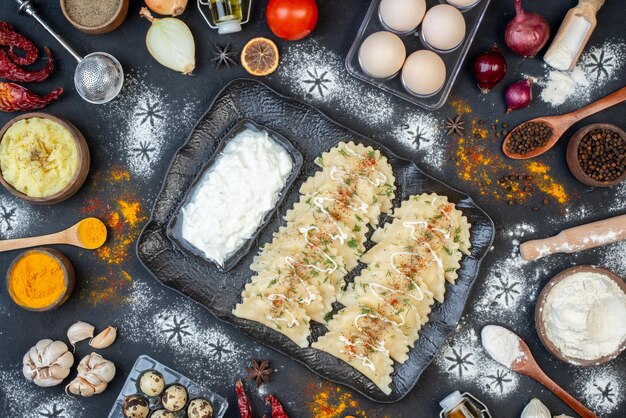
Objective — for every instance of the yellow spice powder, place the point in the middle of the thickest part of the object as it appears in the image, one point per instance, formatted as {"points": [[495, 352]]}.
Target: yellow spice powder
{"points": [[38, 157]]}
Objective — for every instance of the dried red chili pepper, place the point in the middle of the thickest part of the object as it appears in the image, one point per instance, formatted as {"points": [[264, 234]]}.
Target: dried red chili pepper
{"points": [[277, 408], [14, 72], [12, 39], [242, 400], [15, 98]]}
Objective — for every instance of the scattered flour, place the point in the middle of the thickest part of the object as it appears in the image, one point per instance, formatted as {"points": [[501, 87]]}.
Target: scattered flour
{"points": [[178, 330], [512, 283], [601, 389], [595, 69], [150, 121], [16, 217], [319, 76], [464, 359], [24, 399]]}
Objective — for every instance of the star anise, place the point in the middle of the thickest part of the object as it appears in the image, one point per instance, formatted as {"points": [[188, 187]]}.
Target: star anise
{"points": [[222, 55], [260, 371], [455, 126]]}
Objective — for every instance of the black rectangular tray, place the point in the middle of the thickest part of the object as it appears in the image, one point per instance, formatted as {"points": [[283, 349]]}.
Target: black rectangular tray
{"points": [[174, 228], [312, 133], [454, 59]]}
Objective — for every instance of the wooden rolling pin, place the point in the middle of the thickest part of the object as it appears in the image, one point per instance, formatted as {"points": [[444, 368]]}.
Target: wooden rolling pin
{"points": [[577, 239]]}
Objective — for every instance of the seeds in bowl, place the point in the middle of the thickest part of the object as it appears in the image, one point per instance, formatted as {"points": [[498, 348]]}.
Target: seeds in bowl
{"points": [[602, 155], [38, 157], [92, 13], [528, 137]]}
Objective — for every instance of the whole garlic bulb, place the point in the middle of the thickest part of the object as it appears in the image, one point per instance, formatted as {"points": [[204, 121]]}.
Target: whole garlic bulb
{"points": [[47, 363], [94, 373], [536, 409]]}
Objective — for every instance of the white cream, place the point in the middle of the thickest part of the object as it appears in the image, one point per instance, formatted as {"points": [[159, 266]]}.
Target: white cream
{"points": [[234, 195]]}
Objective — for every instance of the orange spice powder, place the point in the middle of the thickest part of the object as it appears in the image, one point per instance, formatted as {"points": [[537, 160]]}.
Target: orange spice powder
{"points": [[491, 173], [330, 401]]}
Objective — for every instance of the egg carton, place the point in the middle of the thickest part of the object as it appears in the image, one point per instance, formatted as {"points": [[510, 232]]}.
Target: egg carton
{"points": [[413, 41], [145, 363]]}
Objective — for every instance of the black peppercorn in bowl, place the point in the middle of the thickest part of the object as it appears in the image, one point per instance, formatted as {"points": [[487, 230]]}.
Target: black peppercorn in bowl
{"points": [[596, 155]]}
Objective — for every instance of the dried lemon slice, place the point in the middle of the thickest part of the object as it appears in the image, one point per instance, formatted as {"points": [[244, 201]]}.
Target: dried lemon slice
{"points": [[260, 56]]}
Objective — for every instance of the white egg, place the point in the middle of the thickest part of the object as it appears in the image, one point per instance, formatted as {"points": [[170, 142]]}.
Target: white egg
{"points": [[443, 27], [402, 16], [424, 73], [382, 54], [463, 4]]}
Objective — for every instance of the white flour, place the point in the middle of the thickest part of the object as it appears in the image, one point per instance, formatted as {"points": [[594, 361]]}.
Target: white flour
{"points": [[318, 76], [601, 389], [501, 344], [585, 316], [463, 359], [598, 66], [16, 217], [149, 120]]}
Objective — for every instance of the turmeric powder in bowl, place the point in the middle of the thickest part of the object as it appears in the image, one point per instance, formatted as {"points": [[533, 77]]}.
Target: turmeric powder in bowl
{"points": [[40, 280]]}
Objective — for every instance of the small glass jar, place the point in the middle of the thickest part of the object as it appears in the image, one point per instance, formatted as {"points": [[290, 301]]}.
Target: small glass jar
{"points": [[227, 16], [457, 405]]}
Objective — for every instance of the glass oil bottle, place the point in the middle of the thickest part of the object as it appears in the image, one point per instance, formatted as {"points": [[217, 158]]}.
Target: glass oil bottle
{"points": [[227, 16]]}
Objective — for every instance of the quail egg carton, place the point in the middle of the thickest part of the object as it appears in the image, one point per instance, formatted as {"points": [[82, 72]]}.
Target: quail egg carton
{"points": [[453, 60], [145, 363]]}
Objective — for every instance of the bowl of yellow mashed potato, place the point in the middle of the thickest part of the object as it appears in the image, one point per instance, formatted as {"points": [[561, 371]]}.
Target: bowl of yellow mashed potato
{"points": [[43, 159]]}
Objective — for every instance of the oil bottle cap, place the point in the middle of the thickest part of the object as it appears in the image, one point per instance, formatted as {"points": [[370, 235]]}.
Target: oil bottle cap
{"points": [[449, 402], [231, 26]]}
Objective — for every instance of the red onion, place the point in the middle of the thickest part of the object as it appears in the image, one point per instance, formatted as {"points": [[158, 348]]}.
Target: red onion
{"points": [[527, 33], [519, 94], [489, 68]]}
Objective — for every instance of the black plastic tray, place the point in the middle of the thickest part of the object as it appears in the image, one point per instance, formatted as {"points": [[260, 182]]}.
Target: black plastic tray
{"points": [[454, 59], [313, 133], [174, 228]]}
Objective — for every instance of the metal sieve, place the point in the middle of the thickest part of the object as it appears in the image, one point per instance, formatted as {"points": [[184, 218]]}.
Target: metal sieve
{"points": [[98, 77]]}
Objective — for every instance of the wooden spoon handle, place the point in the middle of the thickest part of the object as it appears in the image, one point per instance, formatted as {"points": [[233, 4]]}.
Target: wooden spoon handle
{"points": [[19, 243], [572, 402], [577, 239], [611, 100]]}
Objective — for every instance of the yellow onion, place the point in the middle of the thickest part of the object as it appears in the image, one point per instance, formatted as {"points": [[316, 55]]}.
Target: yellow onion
{"points": [[167, 7], [171, 43]]}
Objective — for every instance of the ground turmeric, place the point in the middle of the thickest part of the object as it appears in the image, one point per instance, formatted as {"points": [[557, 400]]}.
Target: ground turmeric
{"points": [[37, 280], [92, 233]]}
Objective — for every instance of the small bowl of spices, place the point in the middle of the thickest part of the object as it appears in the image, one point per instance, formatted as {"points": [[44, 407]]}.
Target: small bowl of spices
{"points": [[40, 279], [95, 17], [43, 159], [596, 155]]}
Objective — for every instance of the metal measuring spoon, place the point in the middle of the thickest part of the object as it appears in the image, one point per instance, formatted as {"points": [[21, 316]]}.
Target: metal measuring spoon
{"points": [[98, 77]]}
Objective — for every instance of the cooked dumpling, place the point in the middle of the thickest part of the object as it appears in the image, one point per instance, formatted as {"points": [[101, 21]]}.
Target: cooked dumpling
{"points": [[367, 341], [279, 314]]}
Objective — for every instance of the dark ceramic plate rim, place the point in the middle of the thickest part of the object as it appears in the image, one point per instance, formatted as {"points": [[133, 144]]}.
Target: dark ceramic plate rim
{"points": [[377, 395], [172, 227]]}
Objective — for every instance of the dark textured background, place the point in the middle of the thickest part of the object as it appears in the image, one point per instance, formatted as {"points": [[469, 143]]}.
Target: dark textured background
{"points": [[338, 24]]}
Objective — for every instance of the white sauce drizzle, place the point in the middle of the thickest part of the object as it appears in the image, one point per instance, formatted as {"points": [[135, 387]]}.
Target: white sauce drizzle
{"points": [[364, 360], [290, 323], [319, 202]]}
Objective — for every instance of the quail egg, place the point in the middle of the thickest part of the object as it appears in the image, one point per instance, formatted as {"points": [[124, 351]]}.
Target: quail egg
{"points": [[443, 27], [382, 54], [152, 383], [174, 398], [200, 408], [162, 413], [424, 73], [136, 406]]}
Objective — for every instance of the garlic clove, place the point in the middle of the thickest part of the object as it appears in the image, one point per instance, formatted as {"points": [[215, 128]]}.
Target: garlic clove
{"points": [[79, 331], [53, 352], [104, 339], [536, 409], [58, 372], [66, 360]]}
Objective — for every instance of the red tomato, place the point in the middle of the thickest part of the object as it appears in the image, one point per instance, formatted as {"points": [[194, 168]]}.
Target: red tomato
{"points": [[291, 19]]}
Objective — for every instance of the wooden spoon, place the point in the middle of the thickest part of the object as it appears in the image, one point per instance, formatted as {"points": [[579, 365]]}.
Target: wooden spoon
{"points": [[576, 239], [560, 124], [527, 365], [69, 236]]}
